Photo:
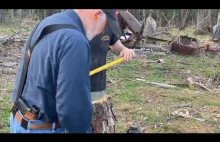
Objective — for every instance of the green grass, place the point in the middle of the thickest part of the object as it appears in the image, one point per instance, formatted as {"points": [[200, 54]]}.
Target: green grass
{"points": [[168, 129], [217, 130], [5, 29], [154, 107], [214, 104], [4, 113], [5, 102]]}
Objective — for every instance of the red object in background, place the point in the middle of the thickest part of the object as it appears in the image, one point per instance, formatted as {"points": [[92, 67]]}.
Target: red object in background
{"points": [[209, 48]]}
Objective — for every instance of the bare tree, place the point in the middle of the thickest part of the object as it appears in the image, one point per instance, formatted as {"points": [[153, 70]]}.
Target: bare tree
{"points": [[211, 18], [184, 15], [200, 21], [159, 18], [2, 15], [12, 14], [19, 13], [218, 21]]}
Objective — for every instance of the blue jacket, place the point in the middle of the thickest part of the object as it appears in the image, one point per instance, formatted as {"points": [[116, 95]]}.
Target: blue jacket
{"points": [[58, 81]]}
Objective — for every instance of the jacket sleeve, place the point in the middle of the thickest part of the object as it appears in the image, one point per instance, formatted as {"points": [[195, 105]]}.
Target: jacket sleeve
{"points": [[73, 99]]}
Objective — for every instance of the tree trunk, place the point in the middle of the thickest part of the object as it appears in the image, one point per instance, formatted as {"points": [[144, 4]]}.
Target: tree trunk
{"points": [[173, 20], [2, 15], [19, 13], [50, 12], [45, 13], [184, 15], [137, 13], [211, 18], [12, 14], [104, 118], [29, 12], [218, 21], [159, 19], [200, 22], [144, 16]]}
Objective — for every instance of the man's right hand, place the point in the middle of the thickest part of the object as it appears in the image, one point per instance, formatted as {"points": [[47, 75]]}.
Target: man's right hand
{"points": [[128, 54]]}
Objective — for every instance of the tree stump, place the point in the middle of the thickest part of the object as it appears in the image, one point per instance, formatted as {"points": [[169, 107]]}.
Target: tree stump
{"points": [[104, 118]]}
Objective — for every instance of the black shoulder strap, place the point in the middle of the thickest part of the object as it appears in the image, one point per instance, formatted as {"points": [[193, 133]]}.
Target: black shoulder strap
{"points": [[29, 48]]}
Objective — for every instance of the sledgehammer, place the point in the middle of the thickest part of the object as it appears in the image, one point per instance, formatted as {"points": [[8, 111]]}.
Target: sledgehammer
{"points": [[108, 65]]}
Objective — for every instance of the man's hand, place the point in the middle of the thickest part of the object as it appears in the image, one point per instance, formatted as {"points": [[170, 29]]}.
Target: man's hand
{"points": [[128, 54]]}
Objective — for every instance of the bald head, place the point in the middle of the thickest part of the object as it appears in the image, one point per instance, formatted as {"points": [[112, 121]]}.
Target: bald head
{"points": [[94, 21]]}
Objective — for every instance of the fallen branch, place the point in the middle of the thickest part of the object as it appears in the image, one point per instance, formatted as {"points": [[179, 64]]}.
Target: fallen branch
{"points": [[190, 83], [203, 86], [172, 118], [162, 85], [158, 84], [182, 105]]}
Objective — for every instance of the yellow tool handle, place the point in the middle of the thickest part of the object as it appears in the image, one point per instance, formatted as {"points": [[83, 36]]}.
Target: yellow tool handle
{"points": [[117, 61]]}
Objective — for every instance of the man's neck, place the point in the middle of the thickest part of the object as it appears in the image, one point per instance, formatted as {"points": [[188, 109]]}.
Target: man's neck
{"points": [[82, 16]]}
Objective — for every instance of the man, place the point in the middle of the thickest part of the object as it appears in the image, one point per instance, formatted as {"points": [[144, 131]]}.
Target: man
{"points": [[99, 49], [56, 96]]}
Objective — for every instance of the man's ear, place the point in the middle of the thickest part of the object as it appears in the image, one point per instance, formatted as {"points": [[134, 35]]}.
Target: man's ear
{"points": [[96, 14]]}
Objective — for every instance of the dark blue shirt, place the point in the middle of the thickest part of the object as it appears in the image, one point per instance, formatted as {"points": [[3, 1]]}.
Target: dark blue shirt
{"points": [[99, 49], [58, 81]]}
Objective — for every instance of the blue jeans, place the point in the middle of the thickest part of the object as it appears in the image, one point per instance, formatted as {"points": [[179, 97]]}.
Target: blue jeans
{"points": [[16, 128]]}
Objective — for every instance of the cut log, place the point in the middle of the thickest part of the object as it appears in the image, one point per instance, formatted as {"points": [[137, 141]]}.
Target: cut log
{"points": [[104, 118]]}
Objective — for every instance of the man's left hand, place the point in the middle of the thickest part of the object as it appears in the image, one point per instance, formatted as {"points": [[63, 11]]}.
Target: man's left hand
{"points": [[128, 54]]}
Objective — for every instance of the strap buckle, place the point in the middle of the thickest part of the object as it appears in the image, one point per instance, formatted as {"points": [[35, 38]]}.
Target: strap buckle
{"points": [[24, 123]]}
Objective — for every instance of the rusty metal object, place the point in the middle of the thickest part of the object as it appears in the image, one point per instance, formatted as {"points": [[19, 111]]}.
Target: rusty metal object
{"points": [[208, 48], [127, 19], [185, 45], [138, 37]]}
